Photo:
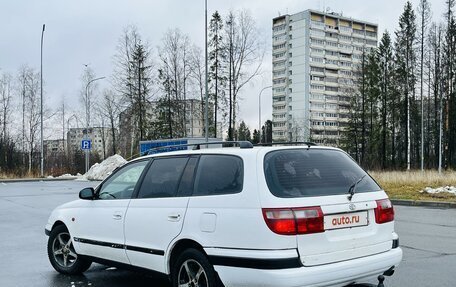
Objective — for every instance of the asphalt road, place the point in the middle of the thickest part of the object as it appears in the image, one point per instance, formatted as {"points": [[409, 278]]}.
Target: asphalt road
{"points": [[427, 236]]}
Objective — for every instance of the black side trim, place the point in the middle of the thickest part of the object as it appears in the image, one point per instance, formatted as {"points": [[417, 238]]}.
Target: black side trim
{"points": [[145, 250], [47, 232], [120, 246], [395, 243], [99, 243], [256, 263]]}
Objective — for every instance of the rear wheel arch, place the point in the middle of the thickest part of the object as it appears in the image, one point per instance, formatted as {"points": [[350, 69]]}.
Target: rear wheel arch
{"points": [[179, 247]]}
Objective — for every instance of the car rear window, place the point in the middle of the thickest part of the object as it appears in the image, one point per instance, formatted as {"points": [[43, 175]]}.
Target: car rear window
{"points": [[314, 172]]}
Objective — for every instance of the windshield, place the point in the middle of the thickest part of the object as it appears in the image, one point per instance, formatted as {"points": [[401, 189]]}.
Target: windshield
{"points": [[313, 172]]}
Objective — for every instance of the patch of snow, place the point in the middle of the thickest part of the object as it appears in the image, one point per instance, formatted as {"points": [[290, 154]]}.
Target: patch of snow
{"points": [[443, 189], [50, 176], [100, 171], [65, 175]]}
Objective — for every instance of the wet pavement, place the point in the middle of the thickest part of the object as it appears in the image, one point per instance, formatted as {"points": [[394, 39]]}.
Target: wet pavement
{"points": [[427, 236]]}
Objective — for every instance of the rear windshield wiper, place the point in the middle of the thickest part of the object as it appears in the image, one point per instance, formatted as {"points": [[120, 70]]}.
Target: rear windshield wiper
{"points": [[352, 188]]}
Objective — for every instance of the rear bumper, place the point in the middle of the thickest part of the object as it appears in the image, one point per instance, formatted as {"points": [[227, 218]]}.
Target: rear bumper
{"points": [[336, 274]]}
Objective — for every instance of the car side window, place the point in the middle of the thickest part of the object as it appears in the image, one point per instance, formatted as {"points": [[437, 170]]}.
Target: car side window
{"points": [[122, 183], [219, 174], [162, 178]]}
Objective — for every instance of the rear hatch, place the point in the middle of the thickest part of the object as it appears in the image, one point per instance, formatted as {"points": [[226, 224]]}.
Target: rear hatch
{"points": [[339, 211]]}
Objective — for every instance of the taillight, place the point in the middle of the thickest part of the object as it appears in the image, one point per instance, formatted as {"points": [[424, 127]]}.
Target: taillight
{"points": [[309, 220], [293, 221], [384, 211]]}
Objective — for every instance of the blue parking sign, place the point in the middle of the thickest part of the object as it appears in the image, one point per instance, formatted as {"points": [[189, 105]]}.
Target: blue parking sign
{"points": [[86, 144]]}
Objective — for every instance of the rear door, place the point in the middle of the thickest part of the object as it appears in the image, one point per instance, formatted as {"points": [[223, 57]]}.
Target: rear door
{"points": [[320, 179], [155, 217]]}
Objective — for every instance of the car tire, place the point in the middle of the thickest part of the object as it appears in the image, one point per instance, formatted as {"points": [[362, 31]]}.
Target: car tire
{"points": [[62, 255], [192, 268]]}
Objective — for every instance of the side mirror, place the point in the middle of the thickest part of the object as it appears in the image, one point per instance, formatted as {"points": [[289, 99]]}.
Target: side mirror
{"points": [[87, 193]]}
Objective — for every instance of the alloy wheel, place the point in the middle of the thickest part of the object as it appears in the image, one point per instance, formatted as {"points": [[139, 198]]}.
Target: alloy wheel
{"points": [[192, 274], [63, 250]]}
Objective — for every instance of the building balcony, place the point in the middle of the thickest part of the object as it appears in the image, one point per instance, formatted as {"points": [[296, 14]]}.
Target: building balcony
{"points": [[279, 112], [278, 50], [284, 102], [332, 57], [323, 137], [279, 76], [346, 50], [331, 84], [317, 25], [281, 41], [358, 34], [331, 29], [345, 30], [371, 37], [331, 66], [278, 59], [278, 129], [279, 120]]}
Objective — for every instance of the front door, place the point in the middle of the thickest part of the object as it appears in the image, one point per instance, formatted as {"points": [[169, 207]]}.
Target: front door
{"points": [[99, 226]]}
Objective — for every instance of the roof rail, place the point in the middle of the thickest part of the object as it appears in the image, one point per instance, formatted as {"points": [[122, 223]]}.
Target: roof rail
{"points": [[241, 144], [197, 146], [308, 144]]}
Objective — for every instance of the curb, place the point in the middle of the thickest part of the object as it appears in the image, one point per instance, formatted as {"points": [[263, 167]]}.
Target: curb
{"points": [[434, 204], [35, 179]]}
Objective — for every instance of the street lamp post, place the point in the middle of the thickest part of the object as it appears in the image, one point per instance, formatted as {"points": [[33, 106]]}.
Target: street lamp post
{"points": [[206, 124], [259, 110], [68, 130], [87, 152], [41, 104]]}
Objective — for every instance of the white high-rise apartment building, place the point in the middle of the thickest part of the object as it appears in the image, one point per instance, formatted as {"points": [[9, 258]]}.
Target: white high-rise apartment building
{"points": [[314, 58]]}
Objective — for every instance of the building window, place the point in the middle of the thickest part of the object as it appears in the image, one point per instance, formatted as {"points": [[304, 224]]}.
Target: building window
{"points": [[317, 69], [331, 89], [316, 59]]}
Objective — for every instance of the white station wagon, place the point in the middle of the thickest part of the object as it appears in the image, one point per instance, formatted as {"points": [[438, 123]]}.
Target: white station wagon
{"points": [[242, 216]]}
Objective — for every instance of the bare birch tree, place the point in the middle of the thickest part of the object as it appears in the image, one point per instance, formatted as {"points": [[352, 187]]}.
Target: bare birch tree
{"points": [[245, 52]]}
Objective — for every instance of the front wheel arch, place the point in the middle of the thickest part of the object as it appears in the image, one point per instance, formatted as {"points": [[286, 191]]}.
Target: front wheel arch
{"points": [[58, 223]]}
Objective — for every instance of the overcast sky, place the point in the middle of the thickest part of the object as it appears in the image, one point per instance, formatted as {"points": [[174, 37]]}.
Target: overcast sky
{"points": [[87, 31]]}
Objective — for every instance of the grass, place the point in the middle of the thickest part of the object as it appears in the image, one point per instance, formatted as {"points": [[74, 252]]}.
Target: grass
{"points": [[407, 185]]}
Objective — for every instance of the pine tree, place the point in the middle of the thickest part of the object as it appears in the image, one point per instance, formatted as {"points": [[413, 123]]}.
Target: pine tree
{"points": [[243, 133], [217, 56], [406, 59], [385, 53]]}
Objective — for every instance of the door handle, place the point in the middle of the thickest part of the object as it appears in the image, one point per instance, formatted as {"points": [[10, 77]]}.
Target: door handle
{"points": [[117, 216], [174, 217]]}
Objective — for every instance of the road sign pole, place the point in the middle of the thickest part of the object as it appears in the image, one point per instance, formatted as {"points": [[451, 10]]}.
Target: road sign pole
{"points": [[86, 146]]}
